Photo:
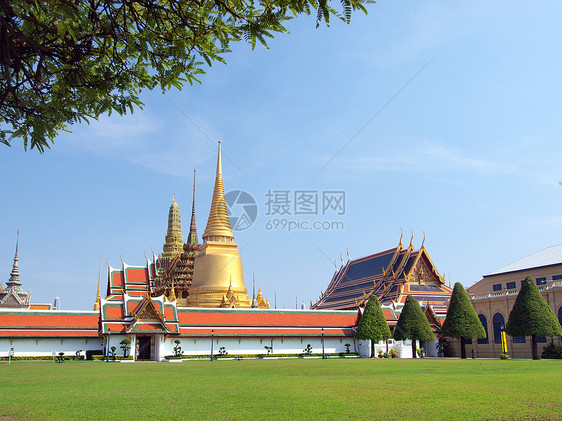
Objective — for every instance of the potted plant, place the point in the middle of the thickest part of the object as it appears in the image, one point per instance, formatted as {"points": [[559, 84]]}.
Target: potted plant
{"points": [[393, 353]]}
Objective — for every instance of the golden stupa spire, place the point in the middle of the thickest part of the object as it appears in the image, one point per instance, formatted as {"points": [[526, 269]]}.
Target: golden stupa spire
{"points": [[218, 225], [217, 274], [98, 297]]}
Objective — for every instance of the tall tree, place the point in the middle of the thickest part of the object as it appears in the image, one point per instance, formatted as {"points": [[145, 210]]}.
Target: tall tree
{"points": [[372, 324], [412, 324], [532, 316], [462, 321], [63, 61]]}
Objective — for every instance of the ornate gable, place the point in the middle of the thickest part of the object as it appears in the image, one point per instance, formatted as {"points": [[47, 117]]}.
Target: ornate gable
{"points": [[423, 271], [147, 311]]}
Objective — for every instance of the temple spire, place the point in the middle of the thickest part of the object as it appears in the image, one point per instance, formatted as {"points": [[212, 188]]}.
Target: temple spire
{"points": [[14, 280], [218, 225], [192, 237], [174, 241]]}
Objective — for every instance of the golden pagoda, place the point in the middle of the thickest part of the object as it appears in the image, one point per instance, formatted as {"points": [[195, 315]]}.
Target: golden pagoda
{"points": [[174, 242], [218, 268], [172, 250]]}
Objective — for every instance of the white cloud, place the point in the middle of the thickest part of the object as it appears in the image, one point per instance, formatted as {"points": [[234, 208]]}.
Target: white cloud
{"points": [[420, 155], [144, 138]]}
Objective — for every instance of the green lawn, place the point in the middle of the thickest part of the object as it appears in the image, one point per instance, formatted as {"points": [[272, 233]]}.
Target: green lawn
{"points": [[283, 389]]}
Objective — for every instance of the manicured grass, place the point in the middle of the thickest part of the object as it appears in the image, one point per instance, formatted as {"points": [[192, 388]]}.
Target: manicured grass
{"points": [[283, 389]]}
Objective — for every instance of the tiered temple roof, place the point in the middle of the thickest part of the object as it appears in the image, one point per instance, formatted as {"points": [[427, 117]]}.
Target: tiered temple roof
{"points": [[129, 307], [391, 275]]}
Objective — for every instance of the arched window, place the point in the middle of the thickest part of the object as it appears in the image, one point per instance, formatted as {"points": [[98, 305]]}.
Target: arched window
{"points": [[498, 325], [485, 325]]}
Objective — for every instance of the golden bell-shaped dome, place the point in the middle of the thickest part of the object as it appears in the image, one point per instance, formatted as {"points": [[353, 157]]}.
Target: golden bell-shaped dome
{"points": [[218, 266]]}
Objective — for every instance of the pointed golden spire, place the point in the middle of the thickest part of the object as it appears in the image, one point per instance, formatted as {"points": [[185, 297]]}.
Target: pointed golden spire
{"points": [[260, 295], [218, 225], [229, 293], [411, 239], [192, 237], [98, 297]]}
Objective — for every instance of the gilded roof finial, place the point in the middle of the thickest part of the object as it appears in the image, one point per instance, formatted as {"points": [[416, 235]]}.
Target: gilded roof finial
{"points": [[347, 251], [218, 225], [423, 241], [401, 234], [172, 292], [411, 239], [98, 297]]}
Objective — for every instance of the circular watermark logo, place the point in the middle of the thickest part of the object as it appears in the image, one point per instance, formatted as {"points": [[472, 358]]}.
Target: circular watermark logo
{"points": [[242, 209]]}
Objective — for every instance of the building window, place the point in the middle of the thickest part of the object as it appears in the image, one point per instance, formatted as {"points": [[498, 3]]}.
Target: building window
{"points": [[541, 281], [485, 326], [511, 285], [497, 287], [557, 277], [467, 341], [518, 339], [541, 339], [498, 325]]}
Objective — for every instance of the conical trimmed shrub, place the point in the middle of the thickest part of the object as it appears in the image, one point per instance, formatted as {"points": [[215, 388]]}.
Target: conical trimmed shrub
{"points": [[462, 321], [532, 316], [412, 324], [372, 324]]}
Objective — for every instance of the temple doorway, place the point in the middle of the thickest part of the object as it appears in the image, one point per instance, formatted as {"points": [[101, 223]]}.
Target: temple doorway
{"points": [[144, 348]]}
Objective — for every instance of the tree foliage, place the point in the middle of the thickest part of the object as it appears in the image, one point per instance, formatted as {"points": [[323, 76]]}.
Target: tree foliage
{"points": [[531, 315], [412, 323], [372, 324], [69, 61], [462, 320]]}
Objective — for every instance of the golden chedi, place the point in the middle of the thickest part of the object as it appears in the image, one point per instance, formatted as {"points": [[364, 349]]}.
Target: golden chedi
{"points": [[218, 280]]}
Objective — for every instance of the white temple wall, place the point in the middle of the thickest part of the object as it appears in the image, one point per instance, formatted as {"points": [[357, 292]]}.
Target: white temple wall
{"points": [[255, 345], [403, 348], [24, 347]]}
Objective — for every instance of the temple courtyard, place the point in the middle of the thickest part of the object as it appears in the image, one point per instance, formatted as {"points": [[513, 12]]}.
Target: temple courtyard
{"points": [[336, 388]]}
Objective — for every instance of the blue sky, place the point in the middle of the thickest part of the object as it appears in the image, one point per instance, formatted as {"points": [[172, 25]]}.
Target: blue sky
{"points": [[467, 150]]}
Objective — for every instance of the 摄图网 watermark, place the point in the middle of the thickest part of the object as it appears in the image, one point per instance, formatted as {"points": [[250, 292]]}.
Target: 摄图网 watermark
{"points": [[288, 209]]}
